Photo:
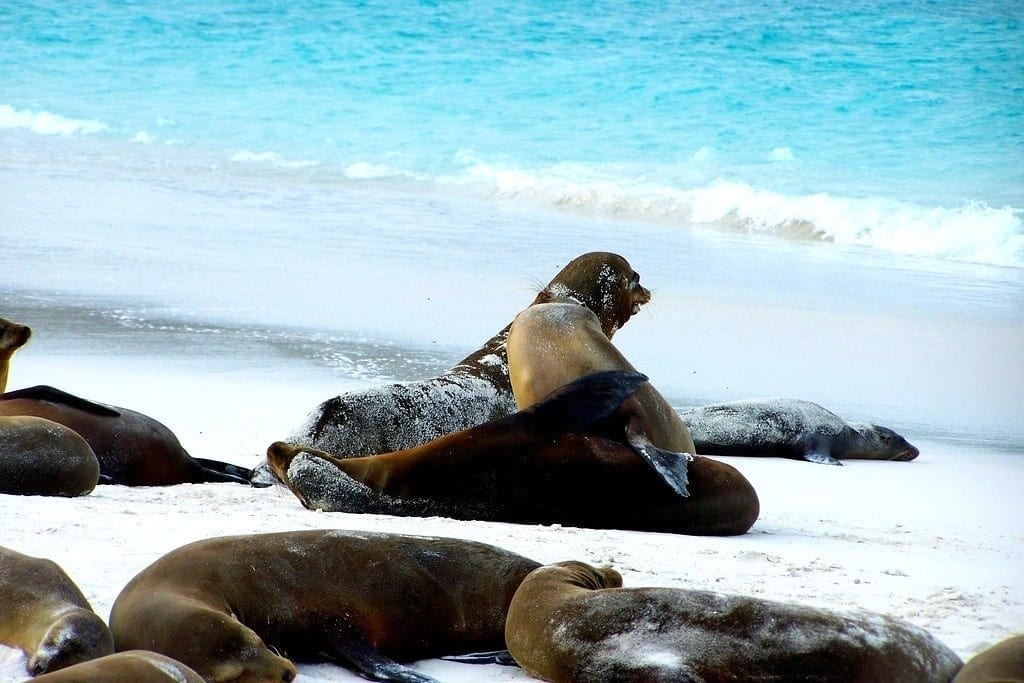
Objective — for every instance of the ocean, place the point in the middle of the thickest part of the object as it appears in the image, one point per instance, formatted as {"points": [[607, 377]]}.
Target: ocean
{"points": [[827, 201]]}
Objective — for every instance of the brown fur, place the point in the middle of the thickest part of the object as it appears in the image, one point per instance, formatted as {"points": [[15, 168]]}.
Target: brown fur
{"points": [[359, 599], [136, 666], [1001, 663], [12, 337], [44, 614], [39, 457]]}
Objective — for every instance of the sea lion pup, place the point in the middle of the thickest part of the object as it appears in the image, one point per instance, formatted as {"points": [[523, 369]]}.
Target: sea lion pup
{"points": [[361, 600], [43, 613], [571, 459], [476, 389], [133, 449], [1001, 663], [137, 666], [787, 428], [12, 337], [557, 341], [39, 457], [572, 622]]}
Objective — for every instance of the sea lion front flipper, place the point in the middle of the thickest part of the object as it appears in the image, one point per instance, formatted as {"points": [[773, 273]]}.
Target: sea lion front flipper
{"points": [[350, 649], [43, 392], [502, 657], [584, 401], [819, 449], [671, 467]]}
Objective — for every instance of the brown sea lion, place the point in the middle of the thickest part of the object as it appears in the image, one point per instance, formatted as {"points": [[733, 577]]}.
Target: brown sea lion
{"points": [[553, 343], [788, 428], [1001, 663], [44, 614], [572, 622], [361, 600], [134, 666], [12, 337], [39, 457], [476, 389], [133, 449], [571, 459]]}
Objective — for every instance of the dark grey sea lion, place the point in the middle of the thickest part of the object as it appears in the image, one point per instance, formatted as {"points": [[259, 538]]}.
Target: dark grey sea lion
{"points": [[476, 389], [789, 428], [233, 608], [44, 614], [570, 622]]}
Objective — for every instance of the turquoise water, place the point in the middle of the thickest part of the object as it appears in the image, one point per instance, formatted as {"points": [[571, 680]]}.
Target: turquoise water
{"points": [[894, 125]]}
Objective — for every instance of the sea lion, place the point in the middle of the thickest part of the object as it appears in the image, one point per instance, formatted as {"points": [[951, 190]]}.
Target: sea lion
{"points": [[557, 341], [571, 459], [787, 428], [137, 666], [44, 614], [12, 337], [1001, 663], [39, 457], [476, 389], [133, 449], [572, 622], [361, 600]]}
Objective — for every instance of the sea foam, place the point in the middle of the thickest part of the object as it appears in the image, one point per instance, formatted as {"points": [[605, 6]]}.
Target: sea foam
{"points": [[46, 123]]}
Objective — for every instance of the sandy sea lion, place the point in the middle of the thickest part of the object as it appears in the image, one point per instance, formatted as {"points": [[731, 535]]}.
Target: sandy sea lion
{"points": [[1001, 663], [134, 666], [361, 600], [571, 459], [12, 337], [39, 457], [553, 343], [133, 449], [572, 622], [788, 428], [476, 389], [44, 614]]}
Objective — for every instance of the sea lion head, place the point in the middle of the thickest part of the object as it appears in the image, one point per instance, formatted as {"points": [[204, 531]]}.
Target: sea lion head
{"points": [[78, 636], [13, 336], [603, 282], [583, 575], [882, 443]]}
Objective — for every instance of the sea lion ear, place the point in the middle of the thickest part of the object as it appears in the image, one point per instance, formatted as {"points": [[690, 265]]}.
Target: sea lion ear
{"points": [[584, 401]]}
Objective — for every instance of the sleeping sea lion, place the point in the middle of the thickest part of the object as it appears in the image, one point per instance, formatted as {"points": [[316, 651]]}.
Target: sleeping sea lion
{"points": [[227, 606], [572, 459], [39, 457], [787, 428], [134, 666], [476, 389], [12, 337], [44, 614], [1001, 663], [572, 622], [133, 449]]}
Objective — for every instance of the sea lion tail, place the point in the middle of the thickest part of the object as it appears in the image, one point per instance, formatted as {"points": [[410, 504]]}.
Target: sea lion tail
{"points": [[585, 401], [217, 471], [43, 392]]}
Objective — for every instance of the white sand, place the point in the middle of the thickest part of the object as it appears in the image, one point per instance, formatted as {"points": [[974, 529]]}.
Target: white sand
{"points": [[936, 541]]}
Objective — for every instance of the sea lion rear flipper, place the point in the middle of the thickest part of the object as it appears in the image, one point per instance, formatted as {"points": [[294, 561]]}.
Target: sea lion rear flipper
{"points": [[44, 392], [584, 401], [350, 649], [502, 657], [217, 471]]}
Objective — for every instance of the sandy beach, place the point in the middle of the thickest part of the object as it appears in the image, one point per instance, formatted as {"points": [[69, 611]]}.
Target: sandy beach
{"points": [[936, 541]]}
